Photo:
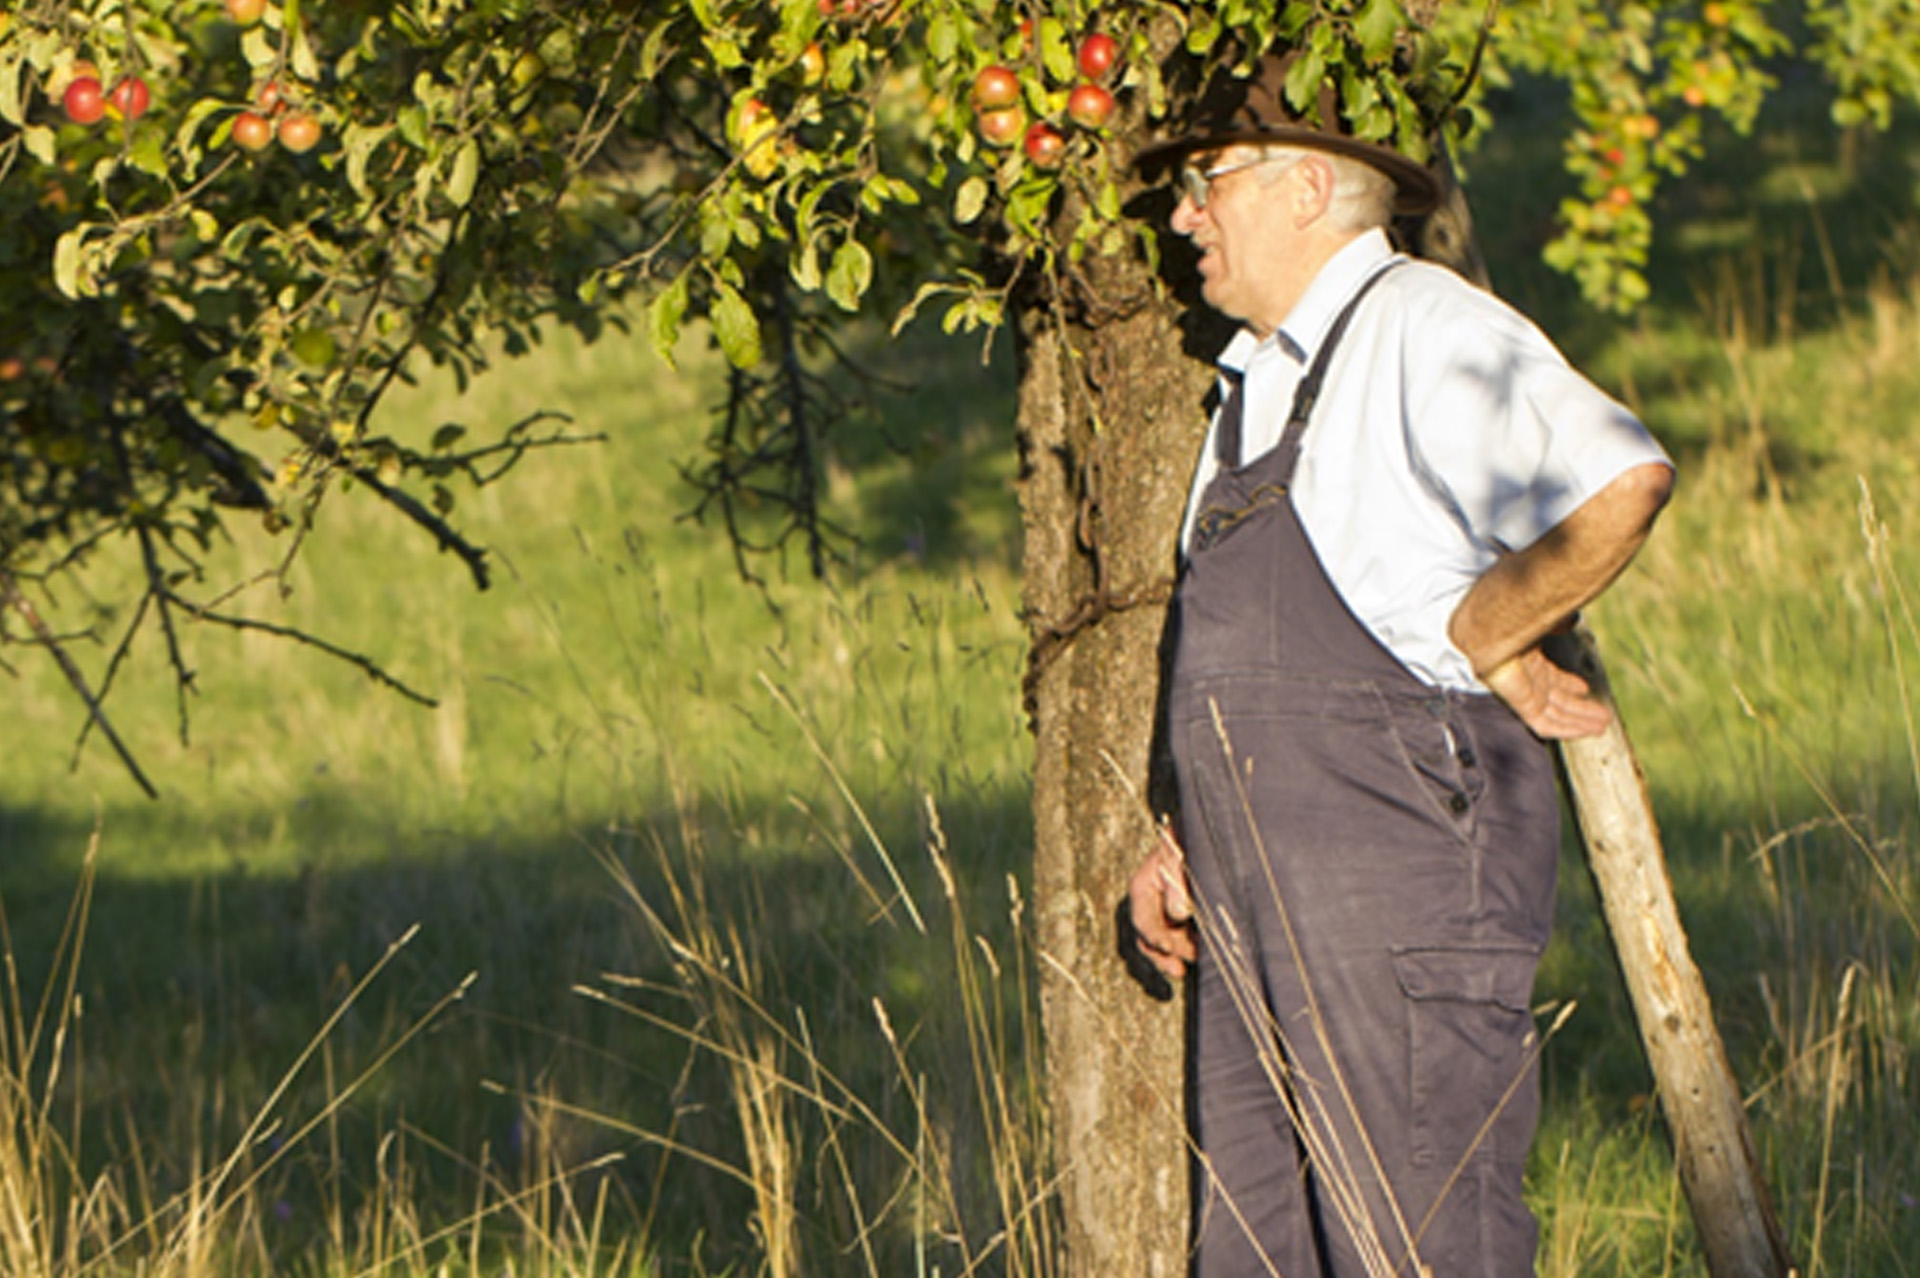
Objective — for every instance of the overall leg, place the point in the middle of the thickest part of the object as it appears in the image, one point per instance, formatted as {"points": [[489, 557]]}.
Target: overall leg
{"points": [[1394, 935], [1252, 1213]]}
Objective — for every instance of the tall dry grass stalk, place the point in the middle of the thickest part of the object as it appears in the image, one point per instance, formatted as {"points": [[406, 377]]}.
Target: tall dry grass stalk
{"points": [[58, 1219], [954, 1179]]}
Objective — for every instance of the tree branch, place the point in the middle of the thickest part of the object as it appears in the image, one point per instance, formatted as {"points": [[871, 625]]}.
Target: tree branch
{"points": [[10, 596], [371, 668]]}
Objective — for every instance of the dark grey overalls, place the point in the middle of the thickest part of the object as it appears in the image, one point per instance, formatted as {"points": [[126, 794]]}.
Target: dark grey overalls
{"points": [[1374, 860]]}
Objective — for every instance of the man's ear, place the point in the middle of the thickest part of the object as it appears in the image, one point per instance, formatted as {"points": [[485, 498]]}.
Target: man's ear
{"points": [[1313, 193]]}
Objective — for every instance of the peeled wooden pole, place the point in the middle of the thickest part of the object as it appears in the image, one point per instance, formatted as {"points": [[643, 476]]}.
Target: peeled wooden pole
{"points": [[1732, 1211]]}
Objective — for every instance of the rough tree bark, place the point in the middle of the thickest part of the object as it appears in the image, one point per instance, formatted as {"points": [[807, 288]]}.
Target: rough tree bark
{"points": [[1112, 411]]}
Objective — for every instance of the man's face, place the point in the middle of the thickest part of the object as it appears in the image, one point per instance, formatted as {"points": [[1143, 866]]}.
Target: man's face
{"points": [[1243, 233]]}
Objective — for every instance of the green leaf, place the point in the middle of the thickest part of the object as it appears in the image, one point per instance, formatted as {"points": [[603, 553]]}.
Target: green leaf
{"points": [[66, 265], [970, 200], [1305, 75], [1202, 36], [1056, 51], [258, 47], [799, 20], [805, 268], [664, 316], [1848, 112], [360, 142], [652, 53], [716, 232], [146, 154], [735, 325], [850, 275], [1377, 24], [725, 50], [12, 107], [560, 51], [412, 123], [466, 171], [931, 288], [447, 436], [40, 144], [943, 37], [300, 54], [197, 114]]}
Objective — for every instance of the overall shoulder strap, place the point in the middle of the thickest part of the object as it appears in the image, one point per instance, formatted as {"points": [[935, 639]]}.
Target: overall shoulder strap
{"points": [[1308, 391]]}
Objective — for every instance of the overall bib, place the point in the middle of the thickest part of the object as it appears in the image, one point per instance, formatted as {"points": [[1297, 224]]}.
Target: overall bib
{"points": [[1373, 860]]}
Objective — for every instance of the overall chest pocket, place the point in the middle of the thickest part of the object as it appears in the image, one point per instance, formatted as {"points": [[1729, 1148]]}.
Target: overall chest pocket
{"points": [[1219, 521]]}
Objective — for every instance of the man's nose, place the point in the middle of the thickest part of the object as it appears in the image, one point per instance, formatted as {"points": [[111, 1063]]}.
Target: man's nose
{"points": [[1186, 215]]}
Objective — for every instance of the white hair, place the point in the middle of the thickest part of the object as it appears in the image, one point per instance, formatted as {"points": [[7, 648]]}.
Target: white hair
{"points": [[1362, 195]]}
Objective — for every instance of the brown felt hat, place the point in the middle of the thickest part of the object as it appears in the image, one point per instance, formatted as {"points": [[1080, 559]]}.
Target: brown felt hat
{"points": [[1254, 109]]}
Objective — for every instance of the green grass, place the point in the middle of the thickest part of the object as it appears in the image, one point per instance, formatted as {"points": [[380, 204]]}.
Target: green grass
{"points": [[621, 719], [618, 694]]}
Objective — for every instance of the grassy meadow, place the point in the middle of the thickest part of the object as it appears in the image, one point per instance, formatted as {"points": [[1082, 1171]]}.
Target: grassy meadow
{"points": [[683, 935]]}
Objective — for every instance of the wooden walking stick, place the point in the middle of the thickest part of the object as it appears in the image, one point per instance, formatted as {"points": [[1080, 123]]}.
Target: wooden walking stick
{"points": [[1732, 1211]]}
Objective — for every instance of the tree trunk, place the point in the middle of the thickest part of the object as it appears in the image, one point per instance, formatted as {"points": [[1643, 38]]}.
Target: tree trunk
{"points": [[1112, 411]]}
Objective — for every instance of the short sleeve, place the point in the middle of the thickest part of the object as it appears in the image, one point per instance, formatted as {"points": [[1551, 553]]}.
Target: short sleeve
{"points": [[1502, 429]]}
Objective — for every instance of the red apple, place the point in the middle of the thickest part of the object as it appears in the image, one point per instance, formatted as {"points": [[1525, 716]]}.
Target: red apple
{"points": [[1089, 105], [271, 97], [299, 132], [813, 64], [1098, 53], [84, 101], [130, 98], [251, 132], [246, 12], [1045, 146], [994, 87], [1001, 126]]}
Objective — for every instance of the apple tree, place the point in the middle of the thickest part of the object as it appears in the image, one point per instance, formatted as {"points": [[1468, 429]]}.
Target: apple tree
{"points": [[232, 225]]}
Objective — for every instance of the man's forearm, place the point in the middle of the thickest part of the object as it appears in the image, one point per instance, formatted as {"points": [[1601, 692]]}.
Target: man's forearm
{"points": [[1526, 595]]}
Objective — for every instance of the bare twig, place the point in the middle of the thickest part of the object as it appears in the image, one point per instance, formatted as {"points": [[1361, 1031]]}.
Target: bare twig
{"points": [[11, 597], [368, 665]]}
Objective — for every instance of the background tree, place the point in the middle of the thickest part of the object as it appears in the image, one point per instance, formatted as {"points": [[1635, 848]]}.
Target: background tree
{"points": [[231, 227]]}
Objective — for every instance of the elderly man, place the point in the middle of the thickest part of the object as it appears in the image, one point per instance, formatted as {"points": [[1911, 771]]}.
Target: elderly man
{"points": [[1404, 490]]}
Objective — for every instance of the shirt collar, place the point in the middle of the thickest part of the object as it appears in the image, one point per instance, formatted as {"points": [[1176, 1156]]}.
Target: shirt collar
{"points": [[1301, 333]]}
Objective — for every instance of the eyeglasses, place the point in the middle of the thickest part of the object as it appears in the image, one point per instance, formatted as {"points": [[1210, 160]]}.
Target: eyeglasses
{"points": [[1198, 183]]}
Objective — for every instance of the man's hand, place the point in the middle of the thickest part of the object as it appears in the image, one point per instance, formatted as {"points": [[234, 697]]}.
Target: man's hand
{"points": [[1162, 908], [1528, 594], [1555, 703]]}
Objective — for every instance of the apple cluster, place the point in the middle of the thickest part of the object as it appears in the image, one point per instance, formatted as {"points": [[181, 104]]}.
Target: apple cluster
{"points": [[1001, 119], [87, 102], [269, 116]]}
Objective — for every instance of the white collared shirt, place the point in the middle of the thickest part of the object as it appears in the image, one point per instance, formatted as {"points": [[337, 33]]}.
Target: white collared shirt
{"points": [[1448, 428]]}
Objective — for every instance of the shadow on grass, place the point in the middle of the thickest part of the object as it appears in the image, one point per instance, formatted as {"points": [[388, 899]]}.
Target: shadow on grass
{"points": [[200, 994]]}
